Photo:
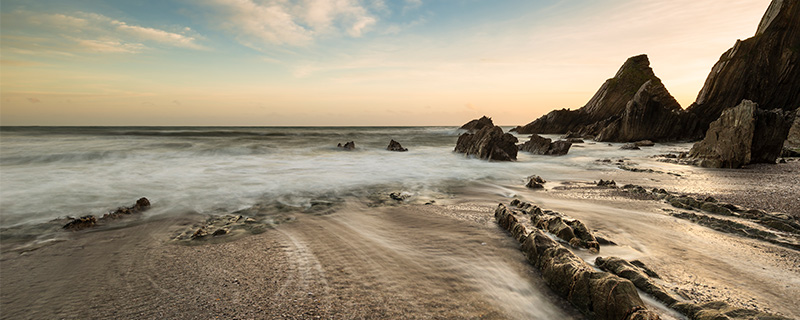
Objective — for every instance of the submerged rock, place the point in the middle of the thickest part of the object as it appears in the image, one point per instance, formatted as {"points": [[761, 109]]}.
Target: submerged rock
{"points": [[395, 146], [347, 146], [478, 124], [489, 143], [81, 223], [742, 135], [90, 221]]}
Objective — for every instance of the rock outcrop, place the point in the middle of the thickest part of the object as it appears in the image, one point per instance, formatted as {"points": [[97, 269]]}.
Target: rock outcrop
{"points": [[641, 277], [545, 146], [90, 221], [478, 124], [743, 135], [489, 143], [347, 146], [598, 294], [652, 114], [763, 69], [634, 105], [395, 146]]}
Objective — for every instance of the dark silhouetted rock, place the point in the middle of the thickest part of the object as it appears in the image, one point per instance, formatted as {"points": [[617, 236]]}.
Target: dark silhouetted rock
{"points": [[763, 69], [141, 205], [575, 140], [81, 223], [478, 124], [742, 135], [608, 184], [489, 143], [544, 146], [395, 146], [634, 105], [652, 114], [347, 146], [535, 182]]}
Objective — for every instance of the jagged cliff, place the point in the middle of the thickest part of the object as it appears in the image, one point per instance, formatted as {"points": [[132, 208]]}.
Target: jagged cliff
{"points": [[633, 105], [763, 69]]}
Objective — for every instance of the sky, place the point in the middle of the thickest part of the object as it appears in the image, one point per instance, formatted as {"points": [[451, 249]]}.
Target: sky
{"points": [[344, 62]]}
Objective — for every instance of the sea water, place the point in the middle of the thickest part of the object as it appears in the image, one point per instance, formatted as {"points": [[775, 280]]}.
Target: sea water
{"points": [[50, 172]]}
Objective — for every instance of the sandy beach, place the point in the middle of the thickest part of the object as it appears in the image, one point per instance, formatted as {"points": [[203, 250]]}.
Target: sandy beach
{"points": [[409, 261]]}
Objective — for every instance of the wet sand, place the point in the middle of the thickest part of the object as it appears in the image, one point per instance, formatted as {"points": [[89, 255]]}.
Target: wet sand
{"points": [[443, 261]]}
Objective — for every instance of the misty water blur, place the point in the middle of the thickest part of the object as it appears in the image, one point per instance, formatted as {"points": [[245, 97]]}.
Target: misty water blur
{"points": [[49, 172]]}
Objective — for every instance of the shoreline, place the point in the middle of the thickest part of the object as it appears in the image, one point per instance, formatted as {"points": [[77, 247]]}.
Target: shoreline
{"points": [[448, 259]]}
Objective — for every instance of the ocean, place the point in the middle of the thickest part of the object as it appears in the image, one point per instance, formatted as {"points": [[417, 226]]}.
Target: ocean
{"points": [[51, 172]]}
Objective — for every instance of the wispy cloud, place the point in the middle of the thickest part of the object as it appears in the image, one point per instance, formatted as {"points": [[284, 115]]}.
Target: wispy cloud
{"points": [[278, 22], [86, 32]]}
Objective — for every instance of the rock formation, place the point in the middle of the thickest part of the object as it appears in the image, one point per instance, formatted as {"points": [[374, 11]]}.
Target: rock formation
{"points": [[598, 294], [763, 69], [347, 146], [478, 124], [395, 146], [489, 143], [742, 135], [544, 146], [535, 182], [633, 105], [90, 221]]}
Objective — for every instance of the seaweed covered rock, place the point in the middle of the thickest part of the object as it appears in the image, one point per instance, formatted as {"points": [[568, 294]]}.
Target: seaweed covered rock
{"points": [[489, 143]]}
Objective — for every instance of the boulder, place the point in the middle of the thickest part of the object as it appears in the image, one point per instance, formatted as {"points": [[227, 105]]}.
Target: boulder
{"points": [[535, 182], [478, 124], [347, 146], [489, 143], [742, 135], [544, 146], [608, 184], [395, 146], [629, 146]]}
